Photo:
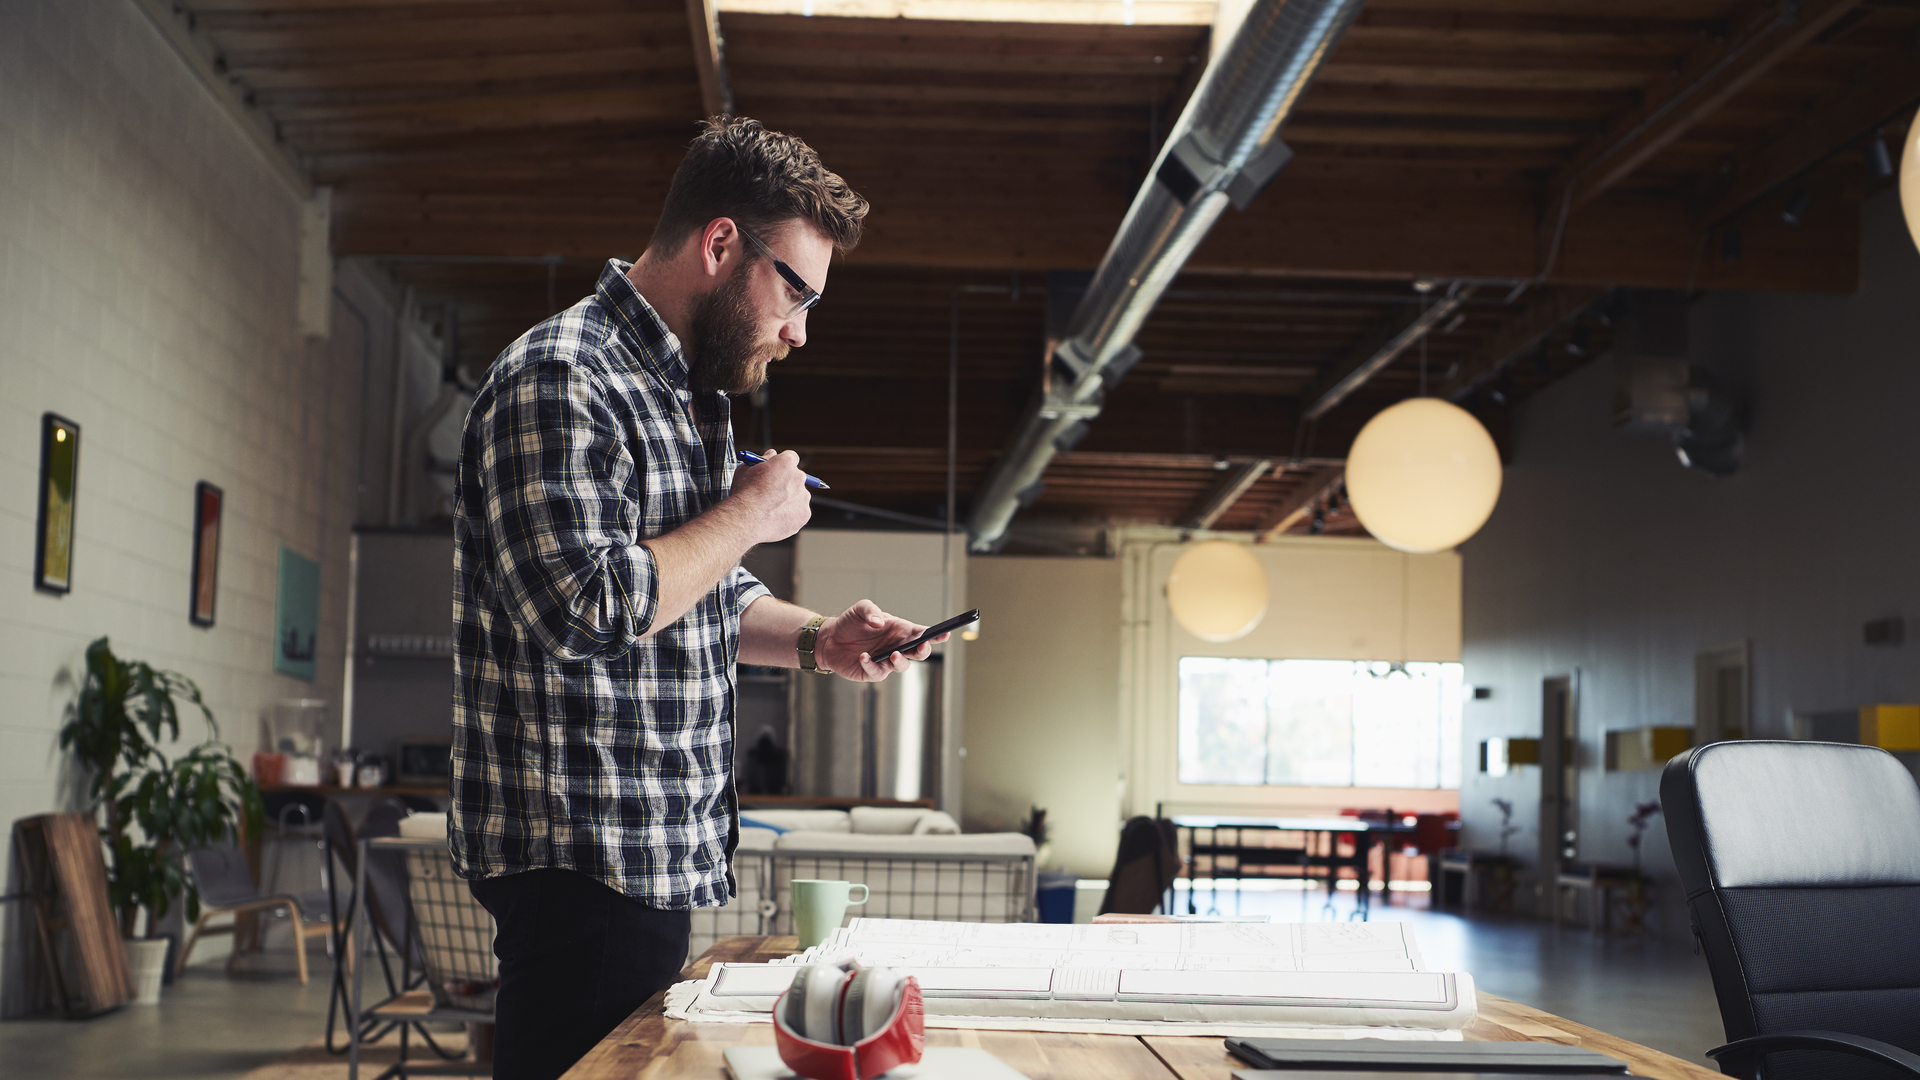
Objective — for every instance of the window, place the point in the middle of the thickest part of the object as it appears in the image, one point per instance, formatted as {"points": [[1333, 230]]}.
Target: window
{"points": [[1321, 723]]}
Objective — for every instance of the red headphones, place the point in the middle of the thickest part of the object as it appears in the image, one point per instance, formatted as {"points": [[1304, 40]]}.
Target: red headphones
{"points": [[846, 1022]]}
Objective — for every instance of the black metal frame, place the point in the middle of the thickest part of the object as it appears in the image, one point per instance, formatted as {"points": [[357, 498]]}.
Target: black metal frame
{"points": [[375, 1021], [49, 424], [1246, 855], [1742, 1057]]}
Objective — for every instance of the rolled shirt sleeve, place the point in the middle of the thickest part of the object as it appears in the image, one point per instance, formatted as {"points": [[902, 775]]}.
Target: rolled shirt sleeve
{"points": [[562, 514], [742, 589]]}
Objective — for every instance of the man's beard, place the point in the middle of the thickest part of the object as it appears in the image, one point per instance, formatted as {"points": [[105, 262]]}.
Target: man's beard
{"points": [[726, 353]]}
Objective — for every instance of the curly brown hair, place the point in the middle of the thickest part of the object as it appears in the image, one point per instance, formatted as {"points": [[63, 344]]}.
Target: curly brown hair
{"points": [[738, 168]]}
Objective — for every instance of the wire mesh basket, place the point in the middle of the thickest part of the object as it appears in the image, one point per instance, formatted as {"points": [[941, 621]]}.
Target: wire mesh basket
{"points": [[955, 887], [456, 933]]}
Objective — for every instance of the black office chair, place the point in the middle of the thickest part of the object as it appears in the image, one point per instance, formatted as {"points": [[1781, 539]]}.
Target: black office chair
{"points": [[1801, 865]]}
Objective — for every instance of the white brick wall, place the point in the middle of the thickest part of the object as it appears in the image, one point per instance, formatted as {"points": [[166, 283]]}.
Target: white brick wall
{"points": [[148, 270]]}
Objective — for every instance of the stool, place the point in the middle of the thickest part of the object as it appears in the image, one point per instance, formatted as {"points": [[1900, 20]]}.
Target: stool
{"points": [[1476, 871], [1600, 883]]}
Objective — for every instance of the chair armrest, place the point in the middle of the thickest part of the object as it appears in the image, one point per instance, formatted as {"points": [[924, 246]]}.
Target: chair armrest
{"points": [[1742, 1057]]}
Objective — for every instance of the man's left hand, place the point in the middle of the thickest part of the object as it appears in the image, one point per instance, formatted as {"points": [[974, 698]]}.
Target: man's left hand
{"points": [[848, 641]]}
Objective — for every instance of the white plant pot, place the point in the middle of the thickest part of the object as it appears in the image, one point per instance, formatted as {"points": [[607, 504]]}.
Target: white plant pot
{"points": [[147, 958]]}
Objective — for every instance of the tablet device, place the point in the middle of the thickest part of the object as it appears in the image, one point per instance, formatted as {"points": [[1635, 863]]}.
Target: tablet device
{"points": [[1389, 1055]]}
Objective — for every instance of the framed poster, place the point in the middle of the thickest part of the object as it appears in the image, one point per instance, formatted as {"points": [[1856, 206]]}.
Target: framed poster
{"points": [[299, 615], [207, 501], [59, 473]]}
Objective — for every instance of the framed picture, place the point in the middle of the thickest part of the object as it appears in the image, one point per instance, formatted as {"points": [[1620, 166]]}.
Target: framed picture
{"points": [[298, 615], [59, 474], [207, 501]]}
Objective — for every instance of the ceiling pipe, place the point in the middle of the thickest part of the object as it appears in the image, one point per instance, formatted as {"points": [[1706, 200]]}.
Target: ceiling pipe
{"points": [[1223, 149]]}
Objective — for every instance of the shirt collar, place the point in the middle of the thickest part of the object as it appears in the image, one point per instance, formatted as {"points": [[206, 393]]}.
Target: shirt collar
{"points": [[641, 326]]}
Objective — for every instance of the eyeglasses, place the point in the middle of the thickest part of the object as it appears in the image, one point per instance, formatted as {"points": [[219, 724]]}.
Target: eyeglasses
{"points": [[808, 297]]}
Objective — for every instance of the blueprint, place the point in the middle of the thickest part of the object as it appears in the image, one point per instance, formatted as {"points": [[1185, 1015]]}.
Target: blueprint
{"points": [[1322, 947]]}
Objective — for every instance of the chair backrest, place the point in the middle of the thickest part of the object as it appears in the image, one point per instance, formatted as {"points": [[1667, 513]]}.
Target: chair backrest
{"points": [[220, 874], [387, 877], [1432, 832], [1801, 865], [294, 812], [338, 831], [1144, 868]]}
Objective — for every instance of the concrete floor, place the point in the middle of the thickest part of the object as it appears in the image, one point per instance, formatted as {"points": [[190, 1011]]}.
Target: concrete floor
{"points": [[211, 1026]]}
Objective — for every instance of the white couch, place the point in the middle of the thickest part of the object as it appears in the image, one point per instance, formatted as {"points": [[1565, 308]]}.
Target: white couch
{"points": [[916, 864]]}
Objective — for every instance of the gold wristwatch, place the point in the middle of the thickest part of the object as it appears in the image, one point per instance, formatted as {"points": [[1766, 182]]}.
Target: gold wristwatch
{"points": [[809, 634]]}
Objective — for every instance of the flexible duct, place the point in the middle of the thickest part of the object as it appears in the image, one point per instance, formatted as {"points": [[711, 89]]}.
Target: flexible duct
{"points": [[1224, 149]]}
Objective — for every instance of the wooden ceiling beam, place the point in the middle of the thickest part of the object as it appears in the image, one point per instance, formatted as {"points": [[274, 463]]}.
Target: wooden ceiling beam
{"points": [[804, 32], [1711, 75], [1878, 95], [1300, 503], [494, 67], [1339, 100], [320, 105], [278, 7], [367, 126], [716, 90], [1051, 94], [1228, 492], [269, 15], [1349, 229], [761, 59], [1466, 29], [351, 39]]}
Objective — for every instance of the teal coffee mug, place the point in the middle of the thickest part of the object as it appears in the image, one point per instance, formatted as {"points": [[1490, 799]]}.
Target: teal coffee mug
{"points": [[819, 905]]}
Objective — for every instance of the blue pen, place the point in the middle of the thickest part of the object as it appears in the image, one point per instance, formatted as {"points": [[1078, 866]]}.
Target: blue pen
{"points": [[747, 457]]}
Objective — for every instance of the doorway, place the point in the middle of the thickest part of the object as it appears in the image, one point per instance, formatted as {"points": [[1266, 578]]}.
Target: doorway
{"points": [[1720, 695], [1559, 780]]}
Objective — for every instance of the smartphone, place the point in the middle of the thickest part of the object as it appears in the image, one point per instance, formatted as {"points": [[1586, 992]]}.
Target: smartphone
{"points": [[934, 631]]}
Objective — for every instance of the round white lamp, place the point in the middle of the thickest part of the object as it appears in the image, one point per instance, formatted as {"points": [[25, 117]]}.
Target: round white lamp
{"points": [[1423, 475], [1910, 180], [1218, 590]]}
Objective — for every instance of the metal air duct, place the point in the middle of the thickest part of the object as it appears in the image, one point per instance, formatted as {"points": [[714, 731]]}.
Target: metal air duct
{"points": [[1224, 149]]}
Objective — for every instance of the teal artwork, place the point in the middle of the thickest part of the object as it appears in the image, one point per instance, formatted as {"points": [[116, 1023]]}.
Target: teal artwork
{"points": [[299, 619]]}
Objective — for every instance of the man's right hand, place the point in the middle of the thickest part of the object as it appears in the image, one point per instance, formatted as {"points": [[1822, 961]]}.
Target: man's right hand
{"points": [[774, 496]]}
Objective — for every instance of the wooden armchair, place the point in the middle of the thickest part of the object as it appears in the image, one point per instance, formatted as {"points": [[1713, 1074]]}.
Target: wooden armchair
{"points": [[226, 888]]}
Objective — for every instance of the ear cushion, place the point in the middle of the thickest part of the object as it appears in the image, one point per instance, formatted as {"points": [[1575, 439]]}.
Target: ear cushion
{"points": [[813, 1002], [871, 998]]}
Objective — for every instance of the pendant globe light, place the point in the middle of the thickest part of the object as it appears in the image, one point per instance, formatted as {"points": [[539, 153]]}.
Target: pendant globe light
{"points": [[1910, 180], [1423, 475], [1217, 590]]}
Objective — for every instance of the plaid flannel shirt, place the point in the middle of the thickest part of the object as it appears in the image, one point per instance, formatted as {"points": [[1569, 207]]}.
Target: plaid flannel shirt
{"points": [[576, 744]]}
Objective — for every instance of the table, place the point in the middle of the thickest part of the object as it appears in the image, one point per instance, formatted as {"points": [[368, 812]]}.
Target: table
{"points": [[1600, 883], [1250, 855], [650, 1046]]}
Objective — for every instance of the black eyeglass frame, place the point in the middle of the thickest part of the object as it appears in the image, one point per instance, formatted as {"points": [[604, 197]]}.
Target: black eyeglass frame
{"points": [[808, 297]]}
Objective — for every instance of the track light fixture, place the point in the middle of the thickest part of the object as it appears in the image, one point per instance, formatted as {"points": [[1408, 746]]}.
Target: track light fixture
{"points": [[1796, 209], [1577, 340], [1878, 158]]}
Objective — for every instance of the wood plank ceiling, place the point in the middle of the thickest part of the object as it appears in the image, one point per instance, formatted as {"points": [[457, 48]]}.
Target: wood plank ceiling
{"points": [[492, 153]]}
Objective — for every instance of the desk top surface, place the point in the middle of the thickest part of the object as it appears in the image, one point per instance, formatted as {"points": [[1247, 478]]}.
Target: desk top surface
{"points": [[1287, 824], [649, 1045]]}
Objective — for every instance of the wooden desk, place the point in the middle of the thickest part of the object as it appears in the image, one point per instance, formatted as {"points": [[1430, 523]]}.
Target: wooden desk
{"points": [[648, 1046]]}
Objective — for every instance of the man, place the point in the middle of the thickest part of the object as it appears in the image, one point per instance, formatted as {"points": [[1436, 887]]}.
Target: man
{"points": [[599, 604]]}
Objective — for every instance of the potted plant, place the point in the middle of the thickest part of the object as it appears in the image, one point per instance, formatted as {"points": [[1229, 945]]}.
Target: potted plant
{"points": [[153, 807]]}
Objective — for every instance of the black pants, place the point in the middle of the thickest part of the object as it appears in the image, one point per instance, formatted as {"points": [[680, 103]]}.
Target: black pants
{"points": [[576, 958]]}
